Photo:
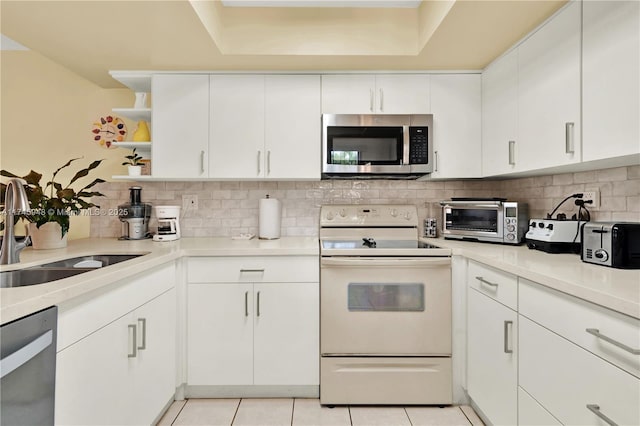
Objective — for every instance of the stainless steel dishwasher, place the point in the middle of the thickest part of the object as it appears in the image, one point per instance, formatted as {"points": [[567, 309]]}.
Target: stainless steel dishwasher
{"points": [[28, 369]]}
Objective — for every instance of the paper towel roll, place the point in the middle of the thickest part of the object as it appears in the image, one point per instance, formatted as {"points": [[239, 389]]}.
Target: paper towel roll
{"points": [[269, 218]]}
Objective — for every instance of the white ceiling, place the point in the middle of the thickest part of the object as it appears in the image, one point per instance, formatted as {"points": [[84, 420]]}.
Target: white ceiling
{"points": [[91, 37]]}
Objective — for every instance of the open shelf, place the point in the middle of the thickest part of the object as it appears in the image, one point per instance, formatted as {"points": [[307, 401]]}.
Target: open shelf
{"points": [[142, 146], [135, 114]]}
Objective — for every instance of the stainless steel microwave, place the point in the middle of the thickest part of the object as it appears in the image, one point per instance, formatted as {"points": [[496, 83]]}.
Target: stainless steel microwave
{"points": [[389, 145], [488, 220]]}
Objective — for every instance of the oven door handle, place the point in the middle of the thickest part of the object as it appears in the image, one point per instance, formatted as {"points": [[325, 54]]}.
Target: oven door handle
{"points": [[377, 261]]}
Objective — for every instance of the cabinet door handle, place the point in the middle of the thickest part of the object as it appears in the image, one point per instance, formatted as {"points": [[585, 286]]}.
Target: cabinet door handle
{"points": [[489, 283], [268, 162], [568, 137], [258, 305], [599, 335], [371, 100], [435, 160], [507, 347], [201, 162], [133, 341], [512, 159], [143, 326], [381, 100], [595, 409], [259, 155], [246, 303]]}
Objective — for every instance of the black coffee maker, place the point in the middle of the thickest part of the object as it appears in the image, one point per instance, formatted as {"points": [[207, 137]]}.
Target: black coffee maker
{"points": [[135, 216]]}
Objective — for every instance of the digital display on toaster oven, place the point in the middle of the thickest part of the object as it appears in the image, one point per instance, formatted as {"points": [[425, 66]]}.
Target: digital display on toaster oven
{"points": [[510, 212]]}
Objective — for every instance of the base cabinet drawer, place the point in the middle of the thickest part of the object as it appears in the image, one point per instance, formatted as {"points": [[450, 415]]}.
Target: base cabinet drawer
{"points": [[574, 385]]}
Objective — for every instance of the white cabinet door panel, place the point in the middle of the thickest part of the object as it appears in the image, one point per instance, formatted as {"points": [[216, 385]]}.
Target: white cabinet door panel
{"points": [[220, 330], [500, 115], [292, 126], [286, 334], [180, 125], [610, 79], [237, 126], [492, 379], [348, 94], [402, 94], [155, 375], [93, 376], [549, 93], [531, 413], [455, 103]]}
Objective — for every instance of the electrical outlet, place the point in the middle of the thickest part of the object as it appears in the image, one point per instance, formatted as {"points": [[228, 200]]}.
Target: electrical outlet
{"points": [[189, 202], [594, 196]]}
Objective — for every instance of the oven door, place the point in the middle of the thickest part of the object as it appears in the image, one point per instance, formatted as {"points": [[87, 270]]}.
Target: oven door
{"points": [[385, 306], [474, 220]]}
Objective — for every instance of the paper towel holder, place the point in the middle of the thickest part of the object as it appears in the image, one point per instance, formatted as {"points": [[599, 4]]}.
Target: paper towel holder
{"points": [[269, 218]]}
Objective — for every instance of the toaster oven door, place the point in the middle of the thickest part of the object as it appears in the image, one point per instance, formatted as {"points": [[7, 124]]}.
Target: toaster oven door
{"points": [[483, 221]]}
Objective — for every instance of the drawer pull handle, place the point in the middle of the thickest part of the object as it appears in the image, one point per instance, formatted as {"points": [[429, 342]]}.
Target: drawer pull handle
{"points": [[597, 333], [507, 349], [133, 341], [595, 409], [251, 270], [483, 281], [142, 322]]}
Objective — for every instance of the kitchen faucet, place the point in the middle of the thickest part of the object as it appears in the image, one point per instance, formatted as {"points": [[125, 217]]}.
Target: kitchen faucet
{"points": [[15, 200]]}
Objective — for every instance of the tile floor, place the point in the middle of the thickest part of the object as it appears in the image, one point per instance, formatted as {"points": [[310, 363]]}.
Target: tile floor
{"points": [[308, 412]]}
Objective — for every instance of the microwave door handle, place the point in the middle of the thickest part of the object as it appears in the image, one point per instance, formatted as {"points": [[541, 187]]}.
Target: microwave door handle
{"points": [[406, 145]]}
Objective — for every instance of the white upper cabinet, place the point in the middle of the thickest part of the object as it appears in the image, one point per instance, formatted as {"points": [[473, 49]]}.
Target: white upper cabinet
{"points": [[376, 94], [237, 126], [292, 127], [455, 103], [265, 127], [500, 115], [549, 93], [180, 125], [611, 79]]}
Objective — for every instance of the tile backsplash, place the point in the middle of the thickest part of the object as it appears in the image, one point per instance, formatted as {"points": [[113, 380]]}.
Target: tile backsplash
{"points": [[230, 208]]}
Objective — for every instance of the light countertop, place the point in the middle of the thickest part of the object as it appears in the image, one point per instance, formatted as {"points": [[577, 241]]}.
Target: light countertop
{"points": [[616, 289], [20, 301], [612, 288]]}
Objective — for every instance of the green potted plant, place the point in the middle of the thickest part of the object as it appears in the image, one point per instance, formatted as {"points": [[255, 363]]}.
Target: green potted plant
{"points": [[133, 163], [52, 205]]}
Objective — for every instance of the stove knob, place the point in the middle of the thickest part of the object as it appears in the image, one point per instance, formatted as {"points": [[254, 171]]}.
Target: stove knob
{"points": [[330, 216], [343, 213], [407, 216], [541, 225], [394, 212], [601, 254]]}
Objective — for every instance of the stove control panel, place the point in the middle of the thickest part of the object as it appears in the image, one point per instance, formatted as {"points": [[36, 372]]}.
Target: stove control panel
{"points": [[368, 215]]}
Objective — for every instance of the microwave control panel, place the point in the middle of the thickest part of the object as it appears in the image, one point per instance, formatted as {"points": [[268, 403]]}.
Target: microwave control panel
{"points": [[418, 145]]}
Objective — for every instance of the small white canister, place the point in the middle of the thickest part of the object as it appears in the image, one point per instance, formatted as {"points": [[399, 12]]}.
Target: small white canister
{"points": [[270, 218]]}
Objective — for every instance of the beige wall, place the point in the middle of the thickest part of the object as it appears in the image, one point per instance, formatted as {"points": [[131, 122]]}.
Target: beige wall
{"points": [[47, 113]]}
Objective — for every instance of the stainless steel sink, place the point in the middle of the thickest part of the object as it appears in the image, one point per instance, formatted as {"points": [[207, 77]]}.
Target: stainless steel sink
{"points": [[58, 270], [31, 276], [94, 261]]}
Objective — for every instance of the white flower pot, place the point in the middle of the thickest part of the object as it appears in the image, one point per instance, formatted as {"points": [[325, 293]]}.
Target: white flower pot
{"points": [[47, 236], [135, 170]]}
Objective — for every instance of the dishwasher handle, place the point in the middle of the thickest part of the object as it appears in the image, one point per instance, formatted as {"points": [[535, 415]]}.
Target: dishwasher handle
{"points": [[26, 353], [386, 261]]}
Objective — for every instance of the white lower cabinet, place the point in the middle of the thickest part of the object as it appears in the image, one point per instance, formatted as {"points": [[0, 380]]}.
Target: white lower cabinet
{"points": [[492, 355], [123, 373], [257, 330], [574, 385]]}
